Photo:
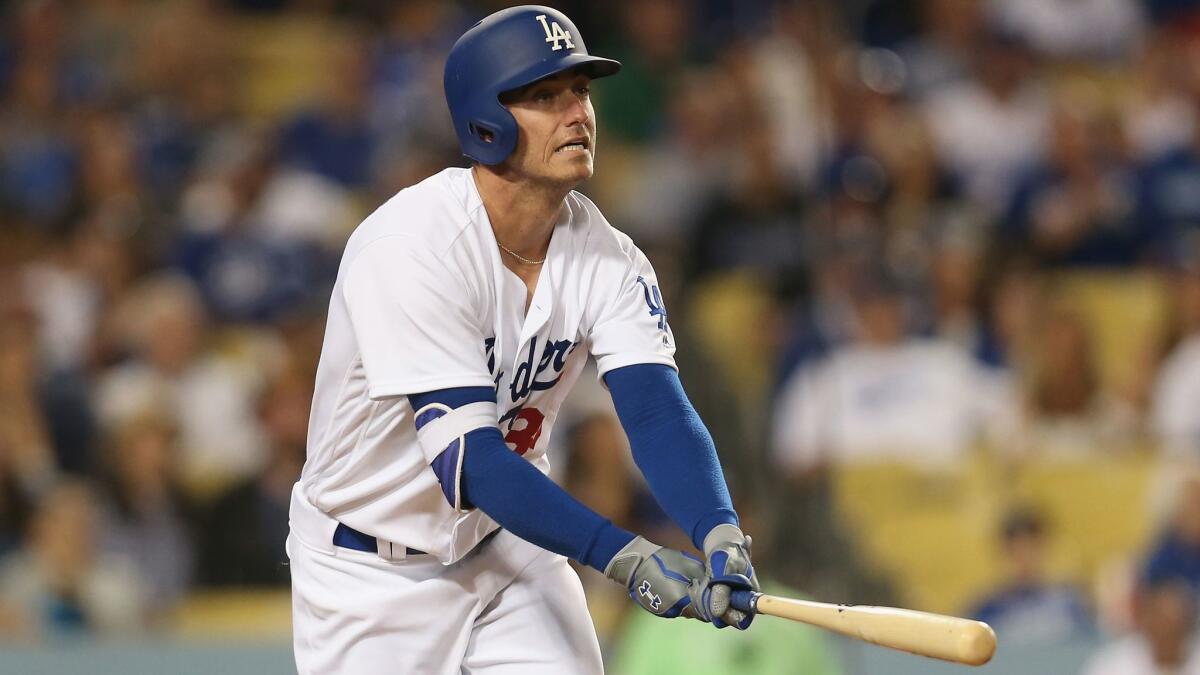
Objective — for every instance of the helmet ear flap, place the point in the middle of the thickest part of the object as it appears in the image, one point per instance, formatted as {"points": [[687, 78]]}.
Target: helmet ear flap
{"points": [[492, 138], [482, 134]]}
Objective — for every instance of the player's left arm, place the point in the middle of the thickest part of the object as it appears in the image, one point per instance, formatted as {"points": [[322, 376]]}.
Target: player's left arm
{"points": [[675, 452], [633, 345]]}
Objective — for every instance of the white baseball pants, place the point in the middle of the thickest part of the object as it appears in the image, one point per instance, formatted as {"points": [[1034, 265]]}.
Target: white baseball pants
{"points": [[507, 608]]}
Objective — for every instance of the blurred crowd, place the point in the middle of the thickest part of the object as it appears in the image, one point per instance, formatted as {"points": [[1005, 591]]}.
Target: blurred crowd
{"points": [[866, 216]]}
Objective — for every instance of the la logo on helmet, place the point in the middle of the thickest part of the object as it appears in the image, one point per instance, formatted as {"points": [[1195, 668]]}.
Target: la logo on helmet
{"points": [[555, 33]]}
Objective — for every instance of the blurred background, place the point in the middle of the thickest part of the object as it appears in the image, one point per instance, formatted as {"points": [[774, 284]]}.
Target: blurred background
{"points": [[933, 267]]}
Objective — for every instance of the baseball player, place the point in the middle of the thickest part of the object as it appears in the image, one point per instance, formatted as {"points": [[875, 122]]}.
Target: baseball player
{"points": [[425, 534]]}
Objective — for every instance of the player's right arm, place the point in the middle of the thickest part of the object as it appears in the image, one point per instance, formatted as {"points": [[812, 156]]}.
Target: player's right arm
{"points": [[416, 324], [477, 470]]}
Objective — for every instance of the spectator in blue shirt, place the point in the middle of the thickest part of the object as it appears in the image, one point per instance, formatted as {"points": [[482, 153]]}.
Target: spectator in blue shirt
{"points": [[1077, 207], [1169, 200], [1028, 608], [334, 138], [1177, 551]]}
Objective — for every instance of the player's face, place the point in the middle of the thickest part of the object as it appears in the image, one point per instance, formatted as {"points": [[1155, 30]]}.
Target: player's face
{"points": [[557, 139]]}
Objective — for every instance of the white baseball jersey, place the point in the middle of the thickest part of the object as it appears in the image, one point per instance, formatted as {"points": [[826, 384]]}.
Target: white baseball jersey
{"points": [[423, 302]]}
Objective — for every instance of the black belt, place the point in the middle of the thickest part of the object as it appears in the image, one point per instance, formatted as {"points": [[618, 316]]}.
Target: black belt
{"points": [[348, 537]]}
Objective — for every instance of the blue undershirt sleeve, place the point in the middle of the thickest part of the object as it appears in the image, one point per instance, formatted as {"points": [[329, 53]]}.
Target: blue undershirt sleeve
{"points": [[530, 505], [520, 498], [672, 447]]}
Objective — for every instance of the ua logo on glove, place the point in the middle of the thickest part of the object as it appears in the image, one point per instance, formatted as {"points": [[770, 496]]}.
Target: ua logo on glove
{"points": [[644, 591], [555, 33]]}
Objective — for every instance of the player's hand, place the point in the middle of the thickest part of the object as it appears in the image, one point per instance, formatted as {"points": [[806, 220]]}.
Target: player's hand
{"points": [[727, 569], [658, 578]]}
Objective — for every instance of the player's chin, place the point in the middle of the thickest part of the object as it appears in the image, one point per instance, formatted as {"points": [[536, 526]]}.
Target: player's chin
{"points": [[584, 172], [578, 166], [568, 170]]}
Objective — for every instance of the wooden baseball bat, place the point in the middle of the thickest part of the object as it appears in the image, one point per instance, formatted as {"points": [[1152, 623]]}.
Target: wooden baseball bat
{"points": [[934, 635]]}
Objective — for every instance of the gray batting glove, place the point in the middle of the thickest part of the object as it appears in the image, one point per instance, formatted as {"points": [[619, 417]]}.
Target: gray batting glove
{"points": [[727, 569], [658, 578]]}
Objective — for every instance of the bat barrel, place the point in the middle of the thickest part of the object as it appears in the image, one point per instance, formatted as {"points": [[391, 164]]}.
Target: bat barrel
{"points": [[933, 635], [976, 643]]}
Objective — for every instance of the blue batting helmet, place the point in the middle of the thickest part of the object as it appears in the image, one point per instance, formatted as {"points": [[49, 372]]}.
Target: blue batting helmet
{"points": [[506, 51]]}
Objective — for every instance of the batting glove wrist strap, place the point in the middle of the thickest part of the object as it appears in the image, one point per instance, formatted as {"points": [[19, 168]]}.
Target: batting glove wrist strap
{"points": [[722, 535], [658, 579], [622, 565]]}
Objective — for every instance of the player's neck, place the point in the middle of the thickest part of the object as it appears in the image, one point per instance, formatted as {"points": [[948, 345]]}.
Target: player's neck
{"points": [[522, 213]]}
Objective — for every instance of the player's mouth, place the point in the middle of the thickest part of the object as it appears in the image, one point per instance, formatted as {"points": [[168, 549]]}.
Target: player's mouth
{"points": [[580, 144]]}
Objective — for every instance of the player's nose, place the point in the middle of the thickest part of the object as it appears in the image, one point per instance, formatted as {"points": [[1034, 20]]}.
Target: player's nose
{"points": [[577, 111]]}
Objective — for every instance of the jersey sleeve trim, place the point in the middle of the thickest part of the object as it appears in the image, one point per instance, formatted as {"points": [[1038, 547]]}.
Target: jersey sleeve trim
{"points": [[395, 388], [613, 361]]}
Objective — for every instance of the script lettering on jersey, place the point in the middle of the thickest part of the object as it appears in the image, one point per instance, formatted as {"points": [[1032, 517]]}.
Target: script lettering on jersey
{"points": [[489, 350], [655, 302], [522, 424], [548, 371], [555, 33]]}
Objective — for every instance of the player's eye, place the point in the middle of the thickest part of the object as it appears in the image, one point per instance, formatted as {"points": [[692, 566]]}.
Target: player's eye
{"points": [[543, 96], [583, 90]]}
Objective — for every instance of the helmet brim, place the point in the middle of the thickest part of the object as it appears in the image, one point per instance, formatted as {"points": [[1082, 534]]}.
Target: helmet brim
{"points": [[594, 66]]}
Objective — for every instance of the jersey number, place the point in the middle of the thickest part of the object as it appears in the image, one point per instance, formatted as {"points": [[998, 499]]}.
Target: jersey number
{"points": [[525, 430]]}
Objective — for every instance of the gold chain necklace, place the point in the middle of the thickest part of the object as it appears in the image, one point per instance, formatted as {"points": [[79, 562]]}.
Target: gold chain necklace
{"points": [[518, 256]]}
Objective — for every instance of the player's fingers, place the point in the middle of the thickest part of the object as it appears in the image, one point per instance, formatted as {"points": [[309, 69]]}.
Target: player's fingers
{"points": [[718, 599], [734, 617]]}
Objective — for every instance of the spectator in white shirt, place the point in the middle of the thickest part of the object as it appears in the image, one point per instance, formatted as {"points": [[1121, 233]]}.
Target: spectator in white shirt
{"points": [[1073, 29], [1159, 113], [989, 128], [176, 372], [888, 396]]}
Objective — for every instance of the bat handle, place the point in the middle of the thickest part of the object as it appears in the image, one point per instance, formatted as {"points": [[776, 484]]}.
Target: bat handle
{"points": [[747, 601]]}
